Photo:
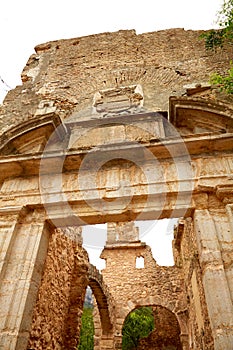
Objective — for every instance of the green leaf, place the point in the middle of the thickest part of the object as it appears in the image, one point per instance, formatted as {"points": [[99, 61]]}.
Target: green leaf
{"points": [[87, 330], [138, 324], [225, 83], [215, 39]]}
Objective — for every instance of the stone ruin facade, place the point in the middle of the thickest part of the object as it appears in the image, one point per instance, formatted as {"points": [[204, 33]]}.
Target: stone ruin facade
{"points": [[114, 128]]}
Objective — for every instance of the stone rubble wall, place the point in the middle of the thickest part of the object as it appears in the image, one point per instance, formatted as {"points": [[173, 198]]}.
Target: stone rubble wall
{"points": [[57, 314], [132, 287]]}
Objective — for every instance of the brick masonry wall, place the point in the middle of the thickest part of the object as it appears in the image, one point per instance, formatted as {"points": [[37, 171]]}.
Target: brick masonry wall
{"points": [[69, 72]]}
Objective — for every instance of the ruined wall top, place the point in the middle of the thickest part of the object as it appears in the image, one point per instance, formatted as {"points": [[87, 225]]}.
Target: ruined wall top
{"points": [[64, 75], [122, 232]]}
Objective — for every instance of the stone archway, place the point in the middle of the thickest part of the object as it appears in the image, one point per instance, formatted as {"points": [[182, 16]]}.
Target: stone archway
{"points": [[166, 333], [168, 310], [104, 316]]}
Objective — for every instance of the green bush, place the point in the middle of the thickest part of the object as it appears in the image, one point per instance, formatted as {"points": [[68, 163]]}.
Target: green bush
{"points": [[138, 324], [215, 39], [87, 330], [224, 82]]}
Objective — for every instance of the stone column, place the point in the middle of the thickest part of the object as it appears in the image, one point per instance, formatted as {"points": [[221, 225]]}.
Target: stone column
{"points": [[106, 342], [215, 282], [117, 340], [227, 247], [24, 241], [8, 220]]}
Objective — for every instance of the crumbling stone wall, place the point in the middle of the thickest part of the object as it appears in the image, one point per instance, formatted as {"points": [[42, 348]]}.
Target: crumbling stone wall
{"points": [[128, 283], [67, 73], [57, 314], [132, 287]]}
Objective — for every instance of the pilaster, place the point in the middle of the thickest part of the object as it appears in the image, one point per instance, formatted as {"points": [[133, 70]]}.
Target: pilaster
{"points": [[215, 279], [24, 254], [225, 232]]}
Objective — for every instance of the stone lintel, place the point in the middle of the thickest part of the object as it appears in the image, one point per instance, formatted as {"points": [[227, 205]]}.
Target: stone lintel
{"points": [[70, 160], [79, 212], [126, 118]]}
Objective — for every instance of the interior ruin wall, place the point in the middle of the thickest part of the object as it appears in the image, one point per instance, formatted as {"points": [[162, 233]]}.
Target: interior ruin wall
{"points": [[151, 285], [59, 305], [166, 333]]}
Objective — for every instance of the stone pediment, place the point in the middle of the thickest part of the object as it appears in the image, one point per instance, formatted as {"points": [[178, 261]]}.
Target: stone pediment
{"points": [[198, 115], [31, 136]]}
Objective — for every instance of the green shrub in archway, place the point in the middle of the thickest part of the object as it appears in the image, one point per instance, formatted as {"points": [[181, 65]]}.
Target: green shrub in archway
{"points": [[138, 324], [87, 330]]}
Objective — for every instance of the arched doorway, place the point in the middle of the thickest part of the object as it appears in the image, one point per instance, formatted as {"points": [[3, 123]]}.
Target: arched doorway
{"points": [[164, 335]]}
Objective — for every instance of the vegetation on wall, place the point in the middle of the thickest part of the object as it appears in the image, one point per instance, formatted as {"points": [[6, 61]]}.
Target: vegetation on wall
{"points": [[224, 82], [215, 39], [138, 324], [224, 35]]}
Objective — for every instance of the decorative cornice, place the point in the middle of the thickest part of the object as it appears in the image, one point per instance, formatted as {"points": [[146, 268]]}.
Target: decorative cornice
{"points": [[225, 193]]}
